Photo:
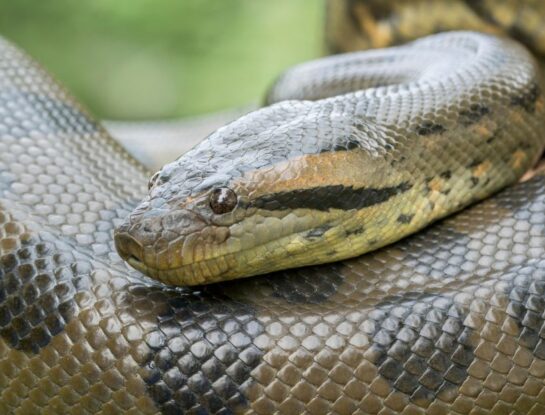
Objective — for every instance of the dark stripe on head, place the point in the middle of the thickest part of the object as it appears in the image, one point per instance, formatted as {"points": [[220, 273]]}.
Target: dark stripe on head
{"points": [[328, 197]]}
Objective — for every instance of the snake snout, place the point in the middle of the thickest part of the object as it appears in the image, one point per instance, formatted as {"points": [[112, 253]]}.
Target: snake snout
{"points": [[128, 248]]}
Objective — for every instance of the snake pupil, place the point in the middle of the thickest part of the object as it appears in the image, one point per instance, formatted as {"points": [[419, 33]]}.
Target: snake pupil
{"points": [[223, 200]]}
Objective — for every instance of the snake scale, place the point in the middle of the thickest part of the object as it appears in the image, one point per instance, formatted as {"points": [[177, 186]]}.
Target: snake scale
{"points": [[449, 320]]}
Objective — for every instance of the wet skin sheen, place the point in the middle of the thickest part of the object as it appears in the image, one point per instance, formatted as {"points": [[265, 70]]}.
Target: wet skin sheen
{"points": [[448, 321]]}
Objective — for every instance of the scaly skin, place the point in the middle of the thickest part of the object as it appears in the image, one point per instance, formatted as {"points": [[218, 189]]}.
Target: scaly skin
{"points": [[433, 126], [354, 25], [448, 321]]}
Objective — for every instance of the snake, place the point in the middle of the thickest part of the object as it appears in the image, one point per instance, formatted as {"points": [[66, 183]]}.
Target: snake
{"points": [[448, 320], [430, 127]]}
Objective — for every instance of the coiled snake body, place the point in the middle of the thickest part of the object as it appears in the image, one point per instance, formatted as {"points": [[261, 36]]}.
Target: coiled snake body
{"points": [[447, 321]]}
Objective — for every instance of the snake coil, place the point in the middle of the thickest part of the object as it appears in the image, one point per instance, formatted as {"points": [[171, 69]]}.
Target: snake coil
{"points": [[447, 321]]}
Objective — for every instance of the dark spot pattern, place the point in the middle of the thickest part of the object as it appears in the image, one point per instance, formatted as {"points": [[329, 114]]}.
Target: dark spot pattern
{"points": [[474, 114], [429, 128], [328, 197], [191, 369], [356, 231], [420, 345], [317, 232], [528, 99], [474, 163], [398, 330], [493, 137], [405, 219], [37, 289]]}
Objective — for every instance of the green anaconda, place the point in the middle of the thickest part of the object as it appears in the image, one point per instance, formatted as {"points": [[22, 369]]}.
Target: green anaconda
{"points": [[449, 320]]}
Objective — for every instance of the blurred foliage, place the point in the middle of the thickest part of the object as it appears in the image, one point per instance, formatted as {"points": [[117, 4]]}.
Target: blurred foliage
{"points": [[144, 59]]}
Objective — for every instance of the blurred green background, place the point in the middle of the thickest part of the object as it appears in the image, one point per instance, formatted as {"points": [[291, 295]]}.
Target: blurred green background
{"points": [[153, 59]]}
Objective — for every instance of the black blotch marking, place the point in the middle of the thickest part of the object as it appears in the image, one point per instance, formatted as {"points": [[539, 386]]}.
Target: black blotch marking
{"points": [[317, 232], [201, 347], [37, 289], [526, 293], [427, 188], [428, 128], [357, 231], [494, 135], [474, 181], [328, 197], [474, 163], [528, 99], [405, 218], [420, 345], [446, 191], [473, 115], [447, 174], [394, 162]]}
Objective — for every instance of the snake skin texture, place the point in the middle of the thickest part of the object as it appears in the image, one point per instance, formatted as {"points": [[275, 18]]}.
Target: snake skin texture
{"points": [[359, 151], [449, 321], [354, 25]]}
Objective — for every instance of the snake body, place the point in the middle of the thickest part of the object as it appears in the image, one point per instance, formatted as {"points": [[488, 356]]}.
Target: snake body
{"points": [[449, 320]]}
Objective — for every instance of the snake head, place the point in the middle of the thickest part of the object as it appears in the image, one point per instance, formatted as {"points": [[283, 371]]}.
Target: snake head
{"points": [[269, 191]]}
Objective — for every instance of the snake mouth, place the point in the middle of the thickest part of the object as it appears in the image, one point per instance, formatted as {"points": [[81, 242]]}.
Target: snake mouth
{"points": [[140, 266], [135, 263]]}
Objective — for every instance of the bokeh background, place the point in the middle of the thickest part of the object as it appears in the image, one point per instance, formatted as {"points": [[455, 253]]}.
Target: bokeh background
{"points": [[156, 59]]}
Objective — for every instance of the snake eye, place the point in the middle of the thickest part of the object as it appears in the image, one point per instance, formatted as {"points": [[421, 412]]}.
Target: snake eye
{"points": [[223, 200], [153, 180]]}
